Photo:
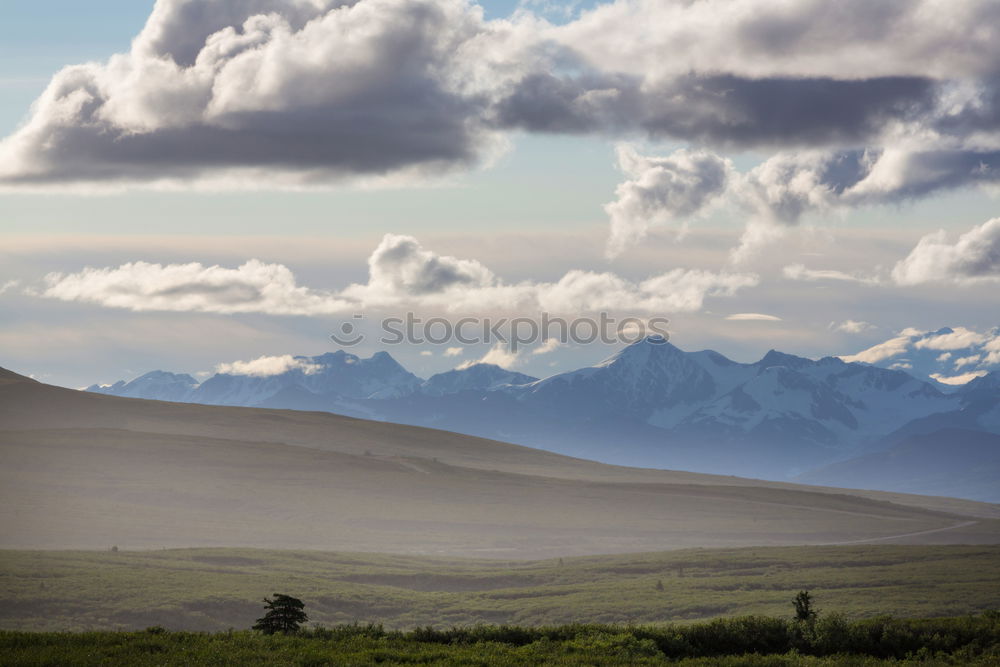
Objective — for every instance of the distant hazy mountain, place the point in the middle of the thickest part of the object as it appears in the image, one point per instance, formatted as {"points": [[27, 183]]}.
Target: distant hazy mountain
{"points": [[476, 377], [158, 385], [651, 404], [948, 462], [332, 375]]}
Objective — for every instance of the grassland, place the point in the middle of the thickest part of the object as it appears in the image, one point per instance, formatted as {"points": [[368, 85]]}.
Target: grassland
{"points": [[216, 589], [748, 641]]}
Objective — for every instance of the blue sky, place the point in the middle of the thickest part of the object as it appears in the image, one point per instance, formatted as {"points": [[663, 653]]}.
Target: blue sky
{"points": [[531, 208]]}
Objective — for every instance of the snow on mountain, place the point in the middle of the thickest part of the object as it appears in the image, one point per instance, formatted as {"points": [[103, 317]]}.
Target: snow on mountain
{"points": [[475, 377], [649, 404], [335, 374], [156, 385], [642, 377]]}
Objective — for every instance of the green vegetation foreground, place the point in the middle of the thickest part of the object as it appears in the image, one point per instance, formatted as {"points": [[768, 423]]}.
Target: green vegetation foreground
{"points": [[749, 640], [216, 589]]}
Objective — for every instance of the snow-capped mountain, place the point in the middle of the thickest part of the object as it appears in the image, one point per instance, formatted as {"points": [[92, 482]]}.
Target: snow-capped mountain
{"points": [[651, 404], [338, 374], [475, 377], [156, 385], [335, 374]]}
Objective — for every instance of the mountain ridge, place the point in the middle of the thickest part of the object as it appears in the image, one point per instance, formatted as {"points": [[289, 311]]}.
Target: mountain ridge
{"points": [[649, 404]]}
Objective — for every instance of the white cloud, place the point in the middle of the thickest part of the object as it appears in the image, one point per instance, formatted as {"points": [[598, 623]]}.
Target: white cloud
{"points": [[9, 285], [499, 355], [852, 326], [800, 272], [791, 185], [453, 351], [758, 317], [426, 353], [964, 378], [886, 350], [938, 354], [402, 273], [548, 345], [955, 339], [265, 366], [973, 258], [661, 189], [970, 360], [253, 287]]}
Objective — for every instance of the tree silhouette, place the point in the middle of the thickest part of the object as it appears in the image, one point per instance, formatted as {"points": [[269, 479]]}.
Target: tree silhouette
{"points": [[284, 614], [803, 607]]}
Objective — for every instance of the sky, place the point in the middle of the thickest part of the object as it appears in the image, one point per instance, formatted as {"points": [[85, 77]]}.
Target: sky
{"points": [[210, 181]]}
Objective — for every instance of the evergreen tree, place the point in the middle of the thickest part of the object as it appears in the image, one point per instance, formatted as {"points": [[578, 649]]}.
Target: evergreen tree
{"points": [[803, 607], [284, 614]]}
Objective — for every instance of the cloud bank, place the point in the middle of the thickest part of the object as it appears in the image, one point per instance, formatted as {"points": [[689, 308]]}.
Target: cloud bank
{"points": [[265, 366], [949, 355], [305, 93], [402, 275]]}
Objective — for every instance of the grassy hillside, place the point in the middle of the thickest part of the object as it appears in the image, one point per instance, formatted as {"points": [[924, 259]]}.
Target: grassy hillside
{"points": [[215, 589], [86, 471]]}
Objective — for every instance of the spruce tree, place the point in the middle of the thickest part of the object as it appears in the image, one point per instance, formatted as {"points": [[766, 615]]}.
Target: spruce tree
{"points": [[284, 614]]}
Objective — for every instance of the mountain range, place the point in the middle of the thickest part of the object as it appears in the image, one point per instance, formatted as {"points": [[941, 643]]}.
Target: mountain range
{"points": [[655, 405]]}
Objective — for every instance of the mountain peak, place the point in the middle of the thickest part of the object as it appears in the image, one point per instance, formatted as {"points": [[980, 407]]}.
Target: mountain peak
{"points": [[474, 377], [775, 358], [642, 351]]}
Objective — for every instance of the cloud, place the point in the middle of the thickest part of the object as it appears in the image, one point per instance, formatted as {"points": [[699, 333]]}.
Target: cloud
{"points": [[253, 287], [964, 378], [274, 92], [791, 185], [973, 258], [267, 366], [886, 350], [851, 326], [753, 317], [306, 93], [547, 346], [426, 353], [400, 266], [958, 338], [453, 351], [402, 274], [661, 189], [800, 272], [498, 355], [938, 354], [9, 285], [971, 360]]}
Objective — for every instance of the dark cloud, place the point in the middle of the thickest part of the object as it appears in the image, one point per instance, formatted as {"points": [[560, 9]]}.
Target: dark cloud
{"points": [[301, 92]]}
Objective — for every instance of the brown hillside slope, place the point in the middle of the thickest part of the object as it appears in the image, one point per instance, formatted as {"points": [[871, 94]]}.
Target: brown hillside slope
{"points": [[80, 470]]}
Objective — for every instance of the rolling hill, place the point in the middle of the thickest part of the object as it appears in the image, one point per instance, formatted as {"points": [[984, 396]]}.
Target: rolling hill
{"points": [[651, 405], [84, 470]]}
